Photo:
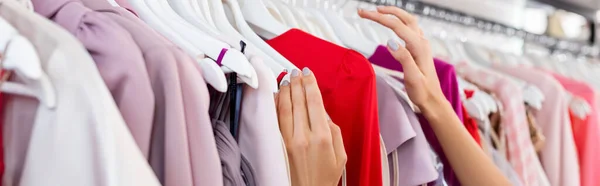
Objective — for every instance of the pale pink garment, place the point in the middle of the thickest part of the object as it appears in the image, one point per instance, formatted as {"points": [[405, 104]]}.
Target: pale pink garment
{"points": [[182, 148], [521, 153], [586, 133], [259, 138], [81, 141], [558, 155]]}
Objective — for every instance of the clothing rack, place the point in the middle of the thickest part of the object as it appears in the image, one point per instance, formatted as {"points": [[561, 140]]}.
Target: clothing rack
{"points": [[555, 45]]}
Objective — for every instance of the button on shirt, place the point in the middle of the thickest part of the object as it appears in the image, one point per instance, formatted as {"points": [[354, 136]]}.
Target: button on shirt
{"points": [[559, 155], [55, 147], [347, 83], [521, 153]]}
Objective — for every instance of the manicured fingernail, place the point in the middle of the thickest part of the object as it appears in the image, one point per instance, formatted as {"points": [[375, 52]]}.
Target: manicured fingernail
{"points": [[392, 45], [305, 71], [295, 72], [285, 83]]}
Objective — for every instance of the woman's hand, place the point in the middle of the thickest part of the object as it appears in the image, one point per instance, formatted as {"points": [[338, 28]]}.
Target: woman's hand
{"points": [[423, 88], [420, 77], [314, 143]]}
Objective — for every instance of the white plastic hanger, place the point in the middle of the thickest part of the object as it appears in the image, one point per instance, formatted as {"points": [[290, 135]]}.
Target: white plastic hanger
{"points": [[319, 21], [258, 17], [19, 55], [210, 70], [349, 36], [232, 60], [223, 25], [239, 22], [204, 9], [287, 15], [185, 10]]}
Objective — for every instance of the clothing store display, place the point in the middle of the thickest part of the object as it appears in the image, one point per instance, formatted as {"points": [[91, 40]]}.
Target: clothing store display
{"points": [[57, 147], [445, 72], [356, 113], [521, 153], [559, 155], [185, 95]]}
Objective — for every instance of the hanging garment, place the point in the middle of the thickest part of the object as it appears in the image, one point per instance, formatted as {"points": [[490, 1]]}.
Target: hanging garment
{"points": [[230, 155], [347, 83], [407, 148], [499, 160], [122, 68], [259, 138], [521, 153], [447, 77], [237, 171], [586, 131], [161, 56], [55, 147], [559, 155], [385, 167]]}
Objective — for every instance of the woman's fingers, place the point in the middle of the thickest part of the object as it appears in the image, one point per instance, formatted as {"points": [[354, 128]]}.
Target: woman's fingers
{"points": [[299, 110], [404, 16], [416, 44], [314, 102], [284, 110], [403, 31], [403, 56], [338, 144]]}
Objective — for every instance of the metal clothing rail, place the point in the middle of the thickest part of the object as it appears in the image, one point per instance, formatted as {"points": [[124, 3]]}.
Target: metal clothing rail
{"points": [[432, 11]]}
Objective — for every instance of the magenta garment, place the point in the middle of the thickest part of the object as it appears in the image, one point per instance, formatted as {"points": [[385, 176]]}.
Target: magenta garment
{"points": [[122, 68], [407, 149], [447, 77]]}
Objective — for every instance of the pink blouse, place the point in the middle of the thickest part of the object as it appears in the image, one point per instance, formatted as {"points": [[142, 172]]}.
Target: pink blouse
{"points": [[559, 155], [521, 153]]}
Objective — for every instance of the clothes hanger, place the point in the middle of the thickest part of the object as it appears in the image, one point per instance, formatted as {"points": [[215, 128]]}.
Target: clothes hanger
{"points": [[211, 72], [217, 10], [287, 15], [349, 36], [304, 22], [204, 9], [276, 13], [309, 12], [20, 56], [258, 17], [229, 60], [239, 20], [185, 9]]}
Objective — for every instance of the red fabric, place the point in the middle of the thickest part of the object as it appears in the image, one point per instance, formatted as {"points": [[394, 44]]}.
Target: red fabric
{"points": [[471, 126], [347, 83], [281, 75]]}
